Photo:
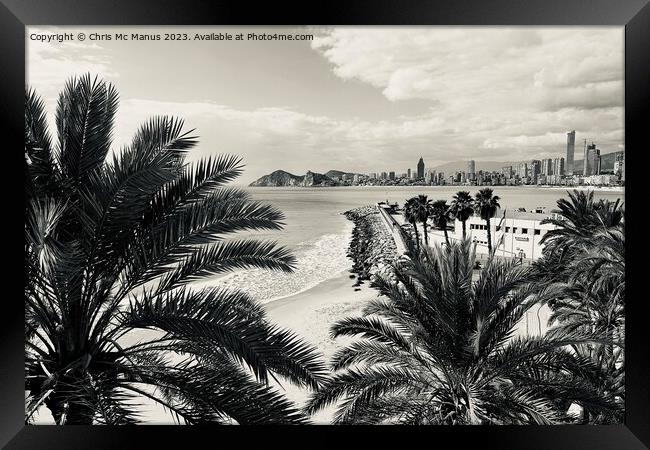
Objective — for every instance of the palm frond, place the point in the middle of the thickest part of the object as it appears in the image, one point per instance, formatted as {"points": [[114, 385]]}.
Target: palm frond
{"points": [[363, 385], [223, 257], [41, 167], [84, 119]]}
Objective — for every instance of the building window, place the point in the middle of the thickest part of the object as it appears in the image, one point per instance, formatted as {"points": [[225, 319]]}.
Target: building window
{"points": [[498, 228], [524, 231], [538, 232], [507, 229], [514, 229]]}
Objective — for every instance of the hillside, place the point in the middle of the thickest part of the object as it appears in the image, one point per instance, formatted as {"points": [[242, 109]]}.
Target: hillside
{"points": [[339, 173], [282, 178]]}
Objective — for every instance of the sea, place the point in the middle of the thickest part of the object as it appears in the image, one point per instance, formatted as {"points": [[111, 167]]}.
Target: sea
{"points": [[318, 234]]}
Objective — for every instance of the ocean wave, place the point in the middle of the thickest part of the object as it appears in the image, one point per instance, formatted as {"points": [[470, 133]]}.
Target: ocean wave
{"points": [[316, 261]]}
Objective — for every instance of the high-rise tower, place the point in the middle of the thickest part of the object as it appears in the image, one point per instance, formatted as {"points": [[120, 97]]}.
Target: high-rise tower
{"points": [[471, 169], [420, 168], [570, 151], [592, 160]]}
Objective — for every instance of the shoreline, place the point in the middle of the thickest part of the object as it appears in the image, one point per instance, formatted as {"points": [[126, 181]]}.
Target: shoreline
{"points": [[455, 186], [310, 314], [318, 260]]}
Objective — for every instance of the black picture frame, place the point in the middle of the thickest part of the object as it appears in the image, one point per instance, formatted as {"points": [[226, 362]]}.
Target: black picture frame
{"points": [[634, 15]]}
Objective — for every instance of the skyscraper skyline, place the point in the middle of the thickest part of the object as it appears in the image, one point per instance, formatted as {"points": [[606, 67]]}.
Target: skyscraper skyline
{"points": [[421, 168]]}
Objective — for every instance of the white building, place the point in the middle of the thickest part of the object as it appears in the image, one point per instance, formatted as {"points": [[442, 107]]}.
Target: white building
{"points": [[600, 180], [514, 234]]}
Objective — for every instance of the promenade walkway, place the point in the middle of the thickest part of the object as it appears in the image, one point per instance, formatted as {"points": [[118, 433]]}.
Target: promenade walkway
{"points": [[395, 229]]}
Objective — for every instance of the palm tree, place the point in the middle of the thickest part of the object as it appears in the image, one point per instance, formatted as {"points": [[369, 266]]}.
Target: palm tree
{"points": [[587, 252], [580, 217], [411, 213], [113, 243], [486, 206], [462, 208], [441, 216], [439, 349], [422, 206]]}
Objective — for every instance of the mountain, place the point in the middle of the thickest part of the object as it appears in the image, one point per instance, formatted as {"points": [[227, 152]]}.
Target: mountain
{"points": [[282, 178], [339, 173], [317, 179], [278, 178]]}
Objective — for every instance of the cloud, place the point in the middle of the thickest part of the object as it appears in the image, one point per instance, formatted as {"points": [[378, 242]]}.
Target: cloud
{"points": [[50, 65], [489, 93], [494, 92], [488, 68]]}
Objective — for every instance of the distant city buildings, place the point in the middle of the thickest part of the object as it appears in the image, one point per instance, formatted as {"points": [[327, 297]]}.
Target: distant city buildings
{"points": [[591, 163], [619, 166], [522, 170], [570, 151], [605, 170], [471, 170], [420, 168], [558, 166], [600, 180]]}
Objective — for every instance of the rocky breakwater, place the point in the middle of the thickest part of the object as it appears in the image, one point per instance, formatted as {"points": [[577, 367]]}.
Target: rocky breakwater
{"points": [[372, 247]]}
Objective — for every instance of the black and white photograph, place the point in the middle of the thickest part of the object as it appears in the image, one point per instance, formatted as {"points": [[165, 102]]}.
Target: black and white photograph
{"points": [[325, 225]]}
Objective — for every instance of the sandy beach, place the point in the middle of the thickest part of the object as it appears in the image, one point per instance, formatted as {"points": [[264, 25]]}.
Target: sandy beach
{"points": [[616, 189], [311, 313]]}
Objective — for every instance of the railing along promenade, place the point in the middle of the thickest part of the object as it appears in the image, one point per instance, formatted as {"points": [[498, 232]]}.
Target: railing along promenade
{"points": [[399, 235]]}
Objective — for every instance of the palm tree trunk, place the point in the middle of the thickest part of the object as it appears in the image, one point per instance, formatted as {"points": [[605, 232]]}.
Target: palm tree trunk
{"points": [[417, 237], [464, 229], [426, 234], [489, 236], [70, 407], [446, 235]]}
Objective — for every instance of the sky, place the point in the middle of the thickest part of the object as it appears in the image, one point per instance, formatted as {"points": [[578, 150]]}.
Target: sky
{"points": [[358, 99]]}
